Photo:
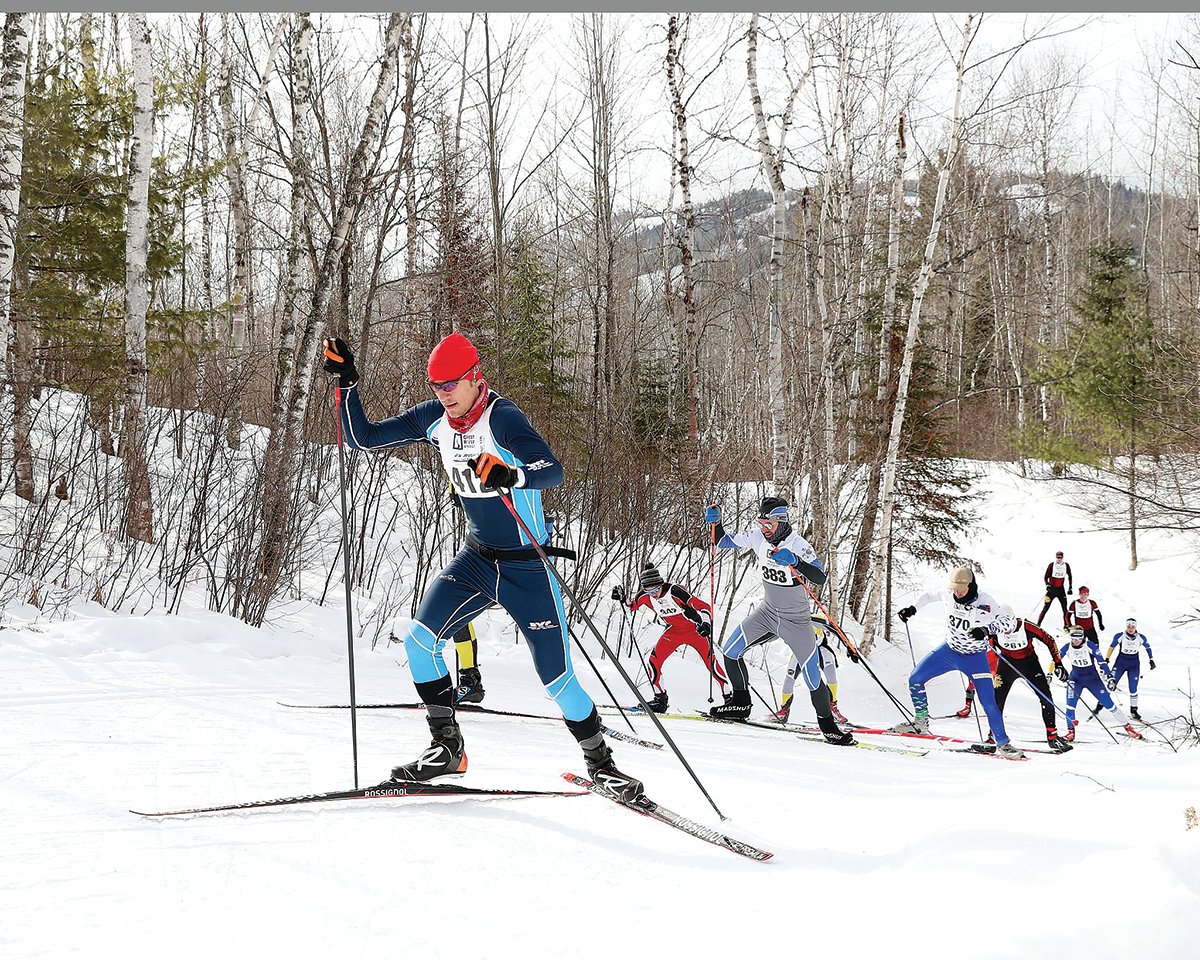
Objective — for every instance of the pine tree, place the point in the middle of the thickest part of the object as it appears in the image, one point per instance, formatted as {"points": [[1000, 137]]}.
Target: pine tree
{"points": [[1109, 377]]}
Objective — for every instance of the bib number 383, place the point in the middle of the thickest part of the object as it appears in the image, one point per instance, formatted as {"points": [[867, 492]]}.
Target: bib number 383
{"points": [[775, 574]]}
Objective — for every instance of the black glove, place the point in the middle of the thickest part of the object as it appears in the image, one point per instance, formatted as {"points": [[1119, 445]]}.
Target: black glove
{"points": [[978, 634], [1151, 663], [493, 473], [1070, 590], [853, 654], [905, 613], [1061, 672], [618, 593], [1111, 683], [339, 360], [704, 628]]}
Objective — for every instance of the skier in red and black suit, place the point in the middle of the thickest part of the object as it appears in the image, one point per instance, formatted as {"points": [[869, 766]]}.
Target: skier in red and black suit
{"points": [[688, 620], [1084, 613], [1058, 573], [1015, 657]]}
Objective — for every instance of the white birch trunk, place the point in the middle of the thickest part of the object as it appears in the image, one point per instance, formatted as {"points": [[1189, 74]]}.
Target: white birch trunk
{"points": [[888, 483], [691, 346], [14, 405], [12, 143], [140, 519], [351, 201], [772, 164]]}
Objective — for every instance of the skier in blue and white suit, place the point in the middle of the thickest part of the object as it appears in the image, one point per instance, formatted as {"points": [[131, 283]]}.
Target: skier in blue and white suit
{"points": [[783, 558], [487, 447], [1129, 660], [972, 617], [1082, 657]]}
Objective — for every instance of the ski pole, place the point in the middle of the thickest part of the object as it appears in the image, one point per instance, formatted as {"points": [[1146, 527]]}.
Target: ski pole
{"points": [[591, 663], [633, 646], [1031, 686], [770, 680], [974, 707], [346, 578], [712, 599], [911, 652], [1097, 716], [507, 501], [855, 654]]}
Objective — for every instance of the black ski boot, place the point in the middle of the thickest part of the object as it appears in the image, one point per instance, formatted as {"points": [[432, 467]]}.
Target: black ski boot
{"points": [[835, 734], [1133, 712], [445, 756], [659, 703], [736, 706], [470, 686], [605, 775], [1057, 743]]}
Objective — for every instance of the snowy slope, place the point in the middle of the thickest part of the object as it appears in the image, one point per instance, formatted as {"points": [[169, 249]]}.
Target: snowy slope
{"points": [[946, 855]]}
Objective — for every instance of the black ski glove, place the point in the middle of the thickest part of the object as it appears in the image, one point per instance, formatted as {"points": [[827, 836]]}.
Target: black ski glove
{"points": [[704, 628], [618, 594], [1061, 672], [340, 361], [979, 634], [905, 613], [853, 654], [1151, 663], [1111, 683]]}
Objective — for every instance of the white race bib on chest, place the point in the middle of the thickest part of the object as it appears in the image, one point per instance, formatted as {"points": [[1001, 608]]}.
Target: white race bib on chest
{"points": [[455, 449]]}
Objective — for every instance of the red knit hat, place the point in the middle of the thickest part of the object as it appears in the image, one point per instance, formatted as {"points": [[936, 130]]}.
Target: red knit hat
{"points": [[452, 359]]}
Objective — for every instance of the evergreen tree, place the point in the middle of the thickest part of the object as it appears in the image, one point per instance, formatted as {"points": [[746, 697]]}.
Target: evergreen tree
{"points": [[1109, 377]]}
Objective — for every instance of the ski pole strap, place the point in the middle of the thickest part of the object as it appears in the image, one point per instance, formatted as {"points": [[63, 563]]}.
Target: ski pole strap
{"points": [[493, 554]]}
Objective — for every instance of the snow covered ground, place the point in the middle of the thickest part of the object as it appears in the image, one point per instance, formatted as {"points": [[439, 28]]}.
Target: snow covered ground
{"points": [[946, 855]]}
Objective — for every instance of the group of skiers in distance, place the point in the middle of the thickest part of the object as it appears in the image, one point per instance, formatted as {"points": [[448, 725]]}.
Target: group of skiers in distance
{"points": [[499, 467]]}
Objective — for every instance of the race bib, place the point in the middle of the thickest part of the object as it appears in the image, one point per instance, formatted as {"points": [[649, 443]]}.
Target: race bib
{"points": [[1013, 641], [777, 575], [1129, 644], [1078, 656]]}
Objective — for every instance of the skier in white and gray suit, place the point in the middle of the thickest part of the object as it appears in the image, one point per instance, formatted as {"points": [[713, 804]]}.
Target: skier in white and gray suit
{"points": [[783, 558]]}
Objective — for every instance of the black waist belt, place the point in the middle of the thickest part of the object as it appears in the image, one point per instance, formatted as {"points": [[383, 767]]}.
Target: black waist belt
{"points": [[493, 554]]}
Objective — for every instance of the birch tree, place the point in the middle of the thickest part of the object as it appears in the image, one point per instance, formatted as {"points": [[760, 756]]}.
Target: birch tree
{"points": [[294, 372], [12, 142], [600, 63], [241, 292], [139, 523], [771, 155], [882, 545], [685, 233], [12, 137]]}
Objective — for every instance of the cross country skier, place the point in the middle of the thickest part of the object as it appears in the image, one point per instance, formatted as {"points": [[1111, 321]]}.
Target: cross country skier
{"points": [[1017, 657], [783, 557], [470, 682], [1083, 657], [688, 620], [1057, 573], [972, 617], [823, 663], [466, 649], [1129, 660], [470, 687], [486, 446], [1084, 613]]}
